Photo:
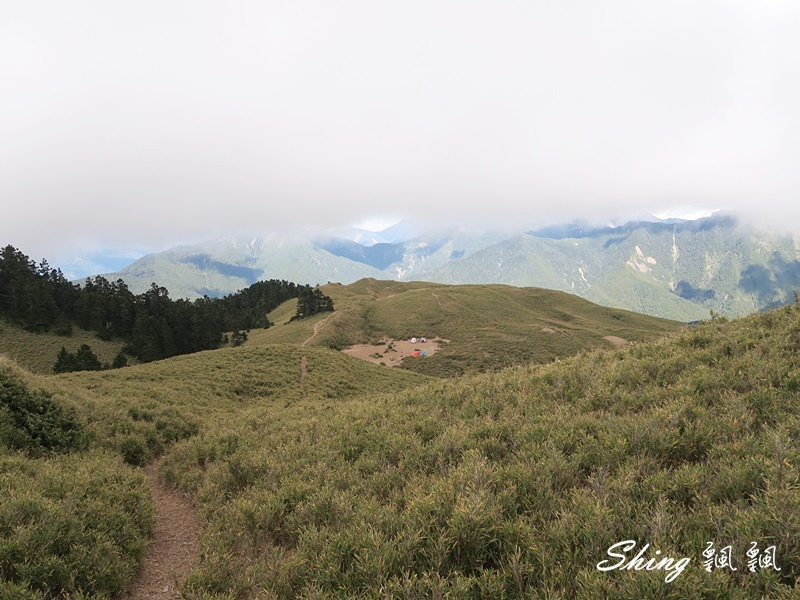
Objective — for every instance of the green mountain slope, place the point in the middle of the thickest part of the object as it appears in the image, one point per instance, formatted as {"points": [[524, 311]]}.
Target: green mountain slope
{"points": [[679, 271], [673, 269], [332, 477], [487, 326], [75, 512], [227, 265], [187, 393]]}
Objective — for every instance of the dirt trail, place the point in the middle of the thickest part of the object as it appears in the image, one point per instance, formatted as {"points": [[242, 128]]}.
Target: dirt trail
{"points": [[303, 373], [317, 327], [173, 548]]}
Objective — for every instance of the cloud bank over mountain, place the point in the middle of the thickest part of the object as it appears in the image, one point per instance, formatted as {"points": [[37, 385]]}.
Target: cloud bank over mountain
{"points": [[154, 122]]}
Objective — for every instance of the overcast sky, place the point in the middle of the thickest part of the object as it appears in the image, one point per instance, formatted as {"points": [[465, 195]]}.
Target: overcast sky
{"points": [[143, 124]]}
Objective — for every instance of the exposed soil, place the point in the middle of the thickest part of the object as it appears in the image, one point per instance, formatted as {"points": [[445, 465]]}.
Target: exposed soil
{"points": [[173, 548], [617, 341], [401, 350]]}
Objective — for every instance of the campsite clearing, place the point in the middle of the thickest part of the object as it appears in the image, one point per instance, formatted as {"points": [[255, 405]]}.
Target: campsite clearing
{"points": [[393, 352]]}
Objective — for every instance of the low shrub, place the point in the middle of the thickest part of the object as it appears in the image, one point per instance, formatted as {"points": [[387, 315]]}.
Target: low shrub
{"points": [[72, 526], [33, 422]]}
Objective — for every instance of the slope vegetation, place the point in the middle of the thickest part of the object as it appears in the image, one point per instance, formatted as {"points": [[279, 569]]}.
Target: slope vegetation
{"points": [[74, 519], [37, 352], [673, 269], [515, 484], [488, 326], [75, 511], [318, 475]]}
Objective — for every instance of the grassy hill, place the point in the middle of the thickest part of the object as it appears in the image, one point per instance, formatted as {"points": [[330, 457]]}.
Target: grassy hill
{"points": [[149, 406], [346, 479], [75, 517], [37, 352], [488, 326], [516, 483]]}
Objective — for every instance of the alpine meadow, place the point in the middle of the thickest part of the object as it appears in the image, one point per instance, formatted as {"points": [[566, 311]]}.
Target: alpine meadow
{"points": [[545, 431]]}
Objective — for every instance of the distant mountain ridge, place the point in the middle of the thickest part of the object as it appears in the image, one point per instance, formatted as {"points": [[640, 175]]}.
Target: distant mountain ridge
{"points": [[677, 269]]}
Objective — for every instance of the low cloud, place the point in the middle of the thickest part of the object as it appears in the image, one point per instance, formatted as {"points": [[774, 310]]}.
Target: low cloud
{"points": [[151, 124]]}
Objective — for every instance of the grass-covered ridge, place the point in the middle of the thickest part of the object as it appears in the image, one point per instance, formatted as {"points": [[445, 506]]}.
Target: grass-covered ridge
{"points": [[318, 475], [489, 326], [142, 410], [514, 484]]}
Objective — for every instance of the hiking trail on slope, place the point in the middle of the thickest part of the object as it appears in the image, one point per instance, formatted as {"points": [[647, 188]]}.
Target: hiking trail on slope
{"points": [[317, 327], [173, 548]]}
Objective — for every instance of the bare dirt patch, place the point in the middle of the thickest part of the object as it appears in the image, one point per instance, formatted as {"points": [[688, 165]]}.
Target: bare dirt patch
{"points": [[173, 548], [616, 341], [393, 352]]}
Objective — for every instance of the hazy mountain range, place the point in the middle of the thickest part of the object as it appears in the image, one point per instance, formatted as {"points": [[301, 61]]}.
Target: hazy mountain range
{"points": [[672, 268]]}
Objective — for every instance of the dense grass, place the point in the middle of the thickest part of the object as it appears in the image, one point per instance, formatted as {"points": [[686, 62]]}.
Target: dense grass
{"points": [[355, 480], [141, 410], [73, 521], [70, 525], [77, 524], [514, 484], [489, 326], [37, 352]]}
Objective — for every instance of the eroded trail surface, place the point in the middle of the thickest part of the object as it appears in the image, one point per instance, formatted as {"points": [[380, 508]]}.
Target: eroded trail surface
{"points": [[173, 548], [317, 326]]}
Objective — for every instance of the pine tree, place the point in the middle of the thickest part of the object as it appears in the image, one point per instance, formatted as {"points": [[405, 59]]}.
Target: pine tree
{"points": [[120, 360], [65, 362]]}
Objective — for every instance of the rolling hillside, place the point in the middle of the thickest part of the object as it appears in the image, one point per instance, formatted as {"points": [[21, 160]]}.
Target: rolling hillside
{"points": [[516, 484], [488, 326], [75, 511], [37, 352], [332, 477]]}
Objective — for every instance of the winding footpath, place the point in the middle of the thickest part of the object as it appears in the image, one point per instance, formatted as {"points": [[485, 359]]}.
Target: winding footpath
{"points": [[173, 547], [317, 327]]}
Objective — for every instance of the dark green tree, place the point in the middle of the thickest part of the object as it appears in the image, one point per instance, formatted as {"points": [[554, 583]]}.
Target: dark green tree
{"points": [[83, 359], [65, 362], [120, 360], [238, 338], [311, 301]]}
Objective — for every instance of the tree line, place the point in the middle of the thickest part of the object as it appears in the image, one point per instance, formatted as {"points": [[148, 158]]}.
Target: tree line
{"points": [[152, 325]]}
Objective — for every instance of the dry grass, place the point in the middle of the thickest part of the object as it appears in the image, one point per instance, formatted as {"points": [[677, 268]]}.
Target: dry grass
{"points": [[375, 482], [489, 326], [37, 352]]}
